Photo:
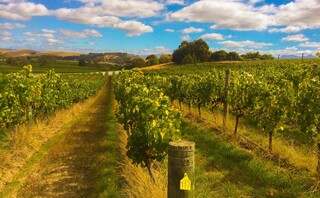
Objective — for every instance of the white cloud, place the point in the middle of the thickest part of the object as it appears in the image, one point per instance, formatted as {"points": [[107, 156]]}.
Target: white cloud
{"points": [[4, 27], [192, 30], [288, 29], [118, 8], [254, 1], [295, 38], [52, 41], [185, 38], [299, 13], [8, 39], [76, 16], [212, 36], [31, 40], [267, 9], [48, 31], [10, 1], [107, 13], [243, 44], [133, 28], [22, 10], [162, 50], [178, 2], [5, 33], [294, 48], [79, 34], [215, 26], [169, 30], [44, 35], [155, 50], [246, 15], [228, 14], [310, 44], [91, 43], [11, 26]]}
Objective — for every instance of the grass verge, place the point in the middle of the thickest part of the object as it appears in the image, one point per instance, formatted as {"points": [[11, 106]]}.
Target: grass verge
{"points": [[300, 156], [79, 161], [19, 146], [224, 170]]}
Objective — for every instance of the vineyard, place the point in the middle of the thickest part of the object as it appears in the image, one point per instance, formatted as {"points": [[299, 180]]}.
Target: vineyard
{"points": [[25, 97], [277, 97], [271, 105]]}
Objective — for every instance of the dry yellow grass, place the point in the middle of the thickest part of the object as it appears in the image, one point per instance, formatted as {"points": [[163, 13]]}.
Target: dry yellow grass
{"points": [[25, 140], [62, 54], [137, 180], [296, 155], [160, 66], [28, 52]]}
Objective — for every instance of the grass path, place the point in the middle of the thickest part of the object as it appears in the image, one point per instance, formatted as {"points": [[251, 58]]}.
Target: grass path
{"points": [[80, 162]]}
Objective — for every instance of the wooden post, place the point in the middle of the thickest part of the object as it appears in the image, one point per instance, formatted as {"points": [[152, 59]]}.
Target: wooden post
{"points": [[302, 57], [226, 106], [318, 165], [180, 163]]}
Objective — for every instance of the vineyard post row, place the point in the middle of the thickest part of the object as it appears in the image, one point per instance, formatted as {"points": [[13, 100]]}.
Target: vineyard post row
{"points": [[226, 95], [275, 96]]}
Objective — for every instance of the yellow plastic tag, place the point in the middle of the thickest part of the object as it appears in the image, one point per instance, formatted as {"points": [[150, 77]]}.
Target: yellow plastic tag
{"points": [[185, 183]]}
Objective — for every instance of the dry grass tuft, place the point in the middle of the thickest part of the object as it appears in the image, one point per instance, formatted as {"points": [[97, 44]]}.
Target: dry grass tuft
{"points": [[23, 141], [137, 180]]}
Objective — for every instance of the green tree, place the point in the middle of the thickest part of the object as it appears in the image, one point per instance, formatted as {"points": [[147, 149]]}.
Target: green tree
{"points": [[318, 54], [22, 61], [251, 56], [233, 56], [165, 58], [181, 52], [152, 60], [11, 61], [198, 47], [266, 57], [189, 59], [82, 62], [139, 62], [220, 55], [2, 58], [201, 50], [47, 61]]}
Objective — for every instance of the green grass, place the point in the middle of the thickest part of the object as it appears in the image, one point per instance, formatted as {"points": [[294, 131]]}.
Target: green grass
{"points": [[224, 170], [70, 69], [62, 66], [88, 146], [107, 179]]}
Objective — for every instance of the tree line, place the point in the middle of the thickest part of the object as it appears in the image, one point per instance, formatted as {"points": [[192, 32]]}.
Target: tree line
{"points": [[42, 61], [198, 51], [149, 61]]}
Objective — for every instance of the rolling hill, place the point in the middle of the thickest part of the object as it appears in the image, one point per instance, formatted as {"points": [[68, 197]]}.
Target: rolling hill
{"points": [[33, 53]]}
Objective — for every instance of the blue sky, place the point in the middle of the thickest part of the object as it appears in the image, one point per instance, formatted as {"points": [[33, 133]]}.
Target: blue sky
{"points": [[158, 26]]}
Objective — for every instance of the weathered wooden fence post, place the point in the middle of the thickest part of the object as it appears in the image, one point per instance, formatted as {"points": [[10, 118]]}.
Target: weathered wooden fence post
{"points": [[181, 169], [225, 105]]}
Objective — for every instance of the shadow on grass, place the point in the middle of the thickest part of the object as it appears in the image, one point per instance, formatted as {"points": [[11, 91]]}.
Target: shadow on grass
{"points": [[238, 169]]}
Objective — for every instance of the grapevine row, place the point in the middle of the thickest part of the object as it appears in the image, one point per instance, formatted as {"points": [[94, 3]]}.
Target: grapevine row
{"points": [[24, 97], [146, 115], [272, 95]]}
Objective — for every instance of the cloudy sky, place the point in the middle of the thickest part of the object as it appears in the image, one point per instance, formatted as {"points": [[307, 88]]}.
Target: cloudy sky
{"points": [[159, 26]]}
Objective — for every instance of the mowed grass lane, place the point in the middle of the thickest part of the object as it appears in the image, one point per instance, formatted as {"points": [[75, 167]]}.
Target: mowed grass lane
{"points": [[82, 162]]}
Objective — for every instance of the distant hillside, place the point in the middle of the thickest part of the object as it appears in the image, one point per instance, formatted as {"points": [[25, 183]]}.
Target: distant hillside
{"points": [[109, 58], [33, 53]]}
